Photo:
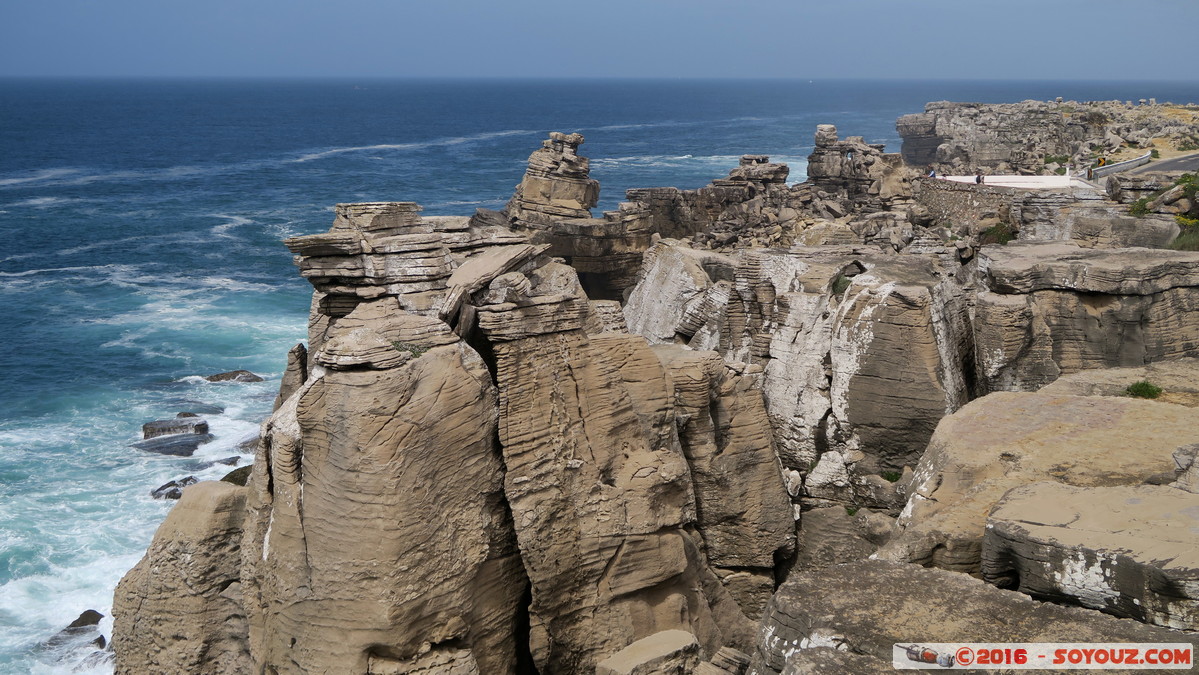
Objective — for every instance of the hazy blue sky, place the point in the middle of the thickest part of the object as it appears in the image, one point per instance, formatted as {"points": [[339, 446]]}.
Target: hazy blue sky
{"points": [[1018, 39]]}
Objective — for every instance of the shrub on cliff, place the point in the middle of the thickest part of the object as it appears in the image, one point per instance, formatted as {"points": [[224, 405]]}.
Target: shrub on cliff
{"points": [[1143, 389]]}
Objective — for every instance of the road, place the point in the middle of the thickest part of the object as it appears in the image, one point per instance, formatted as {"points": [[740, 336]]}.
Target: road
{"points": [[1184, 163]]}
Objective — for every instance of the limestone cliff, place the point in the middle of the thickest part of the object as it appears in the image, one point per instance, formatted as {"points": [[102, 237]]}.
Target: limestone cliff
{"points": [[485, 462]]}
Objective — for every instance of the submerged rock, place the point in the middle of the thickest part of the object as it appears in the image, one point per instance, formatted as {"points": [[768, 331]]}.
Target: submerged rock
{"points": [[173, 489], [180, 445], [234, 376]]}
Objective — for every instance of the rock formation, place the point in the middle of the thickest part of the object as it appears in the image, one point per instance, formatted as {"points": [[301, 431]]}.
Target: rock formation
{"points": [[865, 608], [180, 609], [1035, 137], [1007, 440], [533, 439], [1126, 550], [1052, 309]]}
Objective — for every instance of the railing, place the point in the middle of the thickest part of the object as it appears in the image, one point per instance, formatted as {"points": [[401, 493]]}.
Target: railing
{"points": [[1108, 169]]}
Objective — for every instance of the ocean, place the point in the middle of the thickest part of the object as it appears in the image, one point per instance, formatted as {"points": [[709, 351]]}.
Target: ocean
{"points": [[140, 228]]}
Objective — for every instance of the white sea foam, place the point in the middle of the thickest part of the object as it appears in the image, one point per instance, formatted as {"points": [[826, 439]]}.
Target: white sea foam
{"points": [[232, 222], [36, 176], [453, 140]]}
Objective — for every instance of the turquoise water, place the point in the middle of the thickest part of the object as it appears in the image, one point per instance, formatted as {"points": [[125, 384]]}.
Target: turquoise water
{"points": [[140, 228]]}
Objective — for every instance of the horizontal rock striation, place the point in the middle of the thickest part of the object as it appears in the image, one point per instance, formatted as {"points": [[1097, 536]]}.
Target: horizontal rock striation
{"points": [[1130, 551], [1007, 440], [865, 608], [1052, 309]]}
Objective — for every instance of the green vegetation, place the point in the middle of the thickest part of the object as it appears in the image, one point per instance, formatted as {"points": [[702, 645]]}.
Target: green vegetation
{"points": [[1001, 233], [840, 284], [1139, 208], [852, 510], [1155, 154], [1187, 146], [890, 476], [414, 349], [1189, 183], [1061, 171], [1057, 159], [1188, 238], [1143, 389]]}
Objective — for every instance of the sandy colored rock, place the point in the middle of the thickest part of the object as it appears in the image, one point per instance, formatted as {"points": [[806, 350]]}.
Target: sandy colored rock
{"points": [[665, 653], [343, 517], [179, 610], [745, 515], [1129, 551], [294, 374], [869, 606], [1054, 309], [1006, 440], [587, 429], [1178, 379]]}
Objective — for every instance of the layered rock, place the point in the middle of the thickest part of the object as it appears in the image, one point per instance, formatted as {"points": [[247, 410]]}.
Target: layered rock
{"points": [[1032, 136], [868, 607], [1129, 551], [180, 608], [861, 353], [1007, 440], [397, 549], [1052, 309], [857, 174], [552, 205], [556, 185], [588, 429]]}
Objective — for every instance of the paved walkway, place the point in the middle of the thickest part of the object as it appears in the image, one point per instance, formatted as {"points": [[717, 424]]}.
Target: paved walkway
{"points": [[1025, 182]]}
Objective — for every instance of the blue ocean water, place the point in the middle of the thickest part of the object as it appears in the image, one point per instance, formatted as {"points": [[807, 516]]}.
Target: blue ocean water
{"points": [[140, 228]]}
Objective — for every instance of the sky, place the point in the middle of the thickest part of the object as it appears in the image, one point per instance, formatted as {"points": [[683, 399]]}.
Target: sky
{"points": [[870, 39]]}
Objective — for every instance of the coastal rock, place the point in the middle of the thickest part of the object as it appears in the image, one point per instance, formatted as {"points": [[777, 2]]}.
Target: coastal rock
{"points": [[234, 376], [1006, 440], [860, 353], [1030, 136], [186, 423], [179, 445], [173, 489], [1128, 551], [83, 630], [180, 608], [664, 653], [294, 374], [1052, 309], [1177, 378], [556, 183], [587, 427], [867, 607], [342, 513]]}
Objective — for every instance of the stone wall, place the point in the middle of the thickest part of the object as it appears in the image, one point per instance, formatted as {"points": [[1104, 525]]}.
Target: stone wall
{"points": [[957, 203]]}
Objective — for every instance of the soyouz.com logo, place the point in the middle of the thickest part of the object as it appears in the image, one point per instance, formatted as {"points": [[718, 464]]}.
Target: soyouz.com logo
{"points": [[1042, 655]]}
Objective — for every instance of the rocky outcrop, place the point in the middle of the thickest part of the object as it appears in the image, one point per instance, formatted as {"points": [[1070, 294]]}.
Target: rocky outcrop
{"points": [[671, 651], [180, 608], [861, 354], [1177, 378], [1007, 440], [556, 185], [868, 607], [858, 175], [401, 550], [1052, 309], [1129, 551], [1033, 137]]}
